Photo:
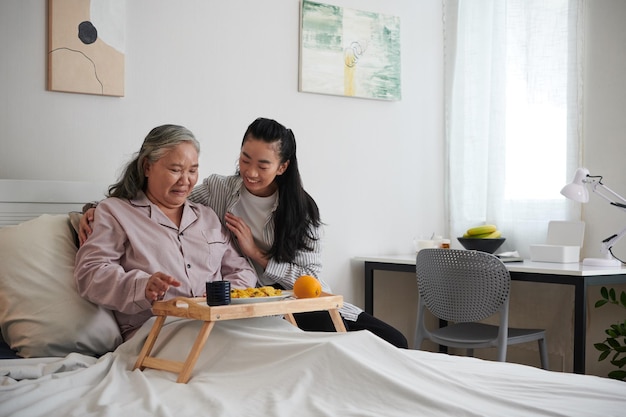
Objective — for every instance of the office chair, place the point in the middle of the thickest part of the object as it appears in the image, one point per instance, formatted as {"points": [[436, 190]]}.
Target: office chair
{"points": [[463, 287]]}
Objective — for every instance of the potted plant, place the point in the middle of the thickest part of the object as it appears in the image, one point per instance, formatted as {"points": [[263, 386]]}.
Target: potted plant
{"points": [[615, 343]]}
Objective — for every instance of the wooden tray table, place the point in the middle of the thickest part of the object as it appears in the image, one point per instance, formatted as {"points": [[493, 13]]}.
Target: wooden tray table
{"points": [[196, 308]]}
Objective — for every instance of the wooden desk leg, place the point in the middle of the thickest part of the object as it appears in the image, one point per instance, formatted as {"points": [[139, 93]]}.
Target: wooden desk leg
{"points": [[185, 373], [337, 320], [149, 344]]}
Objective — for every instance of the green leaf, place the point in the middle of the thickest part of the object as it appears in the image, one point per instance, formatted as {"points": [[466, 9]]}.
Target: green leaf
{"points": [[620, 375], [613, 343], [603, 355], [604, 293], [601, 347], [619, 362]]}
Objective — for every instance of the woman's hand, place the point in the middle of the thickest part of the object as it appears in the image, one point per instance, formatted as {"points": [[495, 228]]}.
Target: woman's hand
{"points": [[84, 226], [242, 232], [158, 285]]}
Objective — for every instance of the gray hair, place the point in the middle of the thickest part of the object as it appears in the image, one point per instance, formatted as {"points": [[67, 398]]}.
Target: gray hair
{"points": [[159, 141]]}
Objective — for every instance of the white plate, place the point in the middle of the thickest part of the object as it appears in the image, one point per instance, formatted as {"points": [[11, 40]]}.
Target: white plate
{"points": [[250, 300]]}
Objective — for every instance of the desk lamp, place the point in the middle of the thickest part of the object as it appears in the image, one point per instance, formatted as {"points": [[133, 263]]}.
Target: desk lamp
{"points": [[577, 191]]}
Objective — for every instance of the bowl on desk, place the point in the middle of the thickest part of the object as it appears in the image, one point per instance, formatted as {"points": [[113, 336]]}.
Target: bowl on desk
{"points": [[483, 245]]}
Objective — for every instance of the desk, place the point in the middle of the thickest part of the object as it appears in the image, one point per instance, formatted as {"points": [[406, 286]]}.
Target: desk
{"points": [[578, 275]]}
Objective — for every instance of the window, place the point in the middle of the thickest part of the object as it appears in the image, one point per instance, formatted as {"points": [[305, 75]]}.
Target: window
{"points": [[512, 114]]}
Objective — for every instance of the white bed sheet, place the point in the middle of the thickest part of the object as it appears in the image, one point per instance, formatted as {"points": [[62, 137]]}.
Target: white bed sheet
{"points": [[267, 367]]}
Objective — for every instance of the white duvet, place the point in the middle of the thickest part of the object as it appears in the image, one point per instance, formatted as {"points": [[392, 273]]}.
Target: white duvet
{"points": [[267, 367]]}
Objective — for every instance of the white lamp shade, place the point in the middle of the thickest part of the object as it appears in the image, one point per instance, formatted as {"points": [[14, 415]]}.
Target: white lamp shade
{"points": [[576, 190]]}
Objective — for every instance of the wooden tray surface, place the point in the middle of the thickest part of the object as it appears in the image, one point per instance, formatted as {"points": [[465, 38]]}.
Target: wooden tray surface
{"points": [[196, 308]]}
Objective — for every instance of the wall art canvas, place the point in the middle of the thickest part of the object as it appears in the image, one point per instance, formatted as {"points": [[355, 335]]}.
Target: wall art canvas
{"points": [[349, 52], [86, 46]]}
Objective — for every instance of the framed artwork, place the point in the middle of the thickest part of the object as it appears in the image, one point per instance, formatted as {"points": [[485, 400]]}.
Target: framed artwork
{"points": [[349, 52], [86, 43]]}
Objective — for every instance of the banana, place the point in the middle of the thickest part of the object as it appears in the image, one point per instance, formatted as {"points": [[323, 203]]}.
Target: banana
{"points": [[481, 236], [493, 235], [481, 230], [487, 231]]}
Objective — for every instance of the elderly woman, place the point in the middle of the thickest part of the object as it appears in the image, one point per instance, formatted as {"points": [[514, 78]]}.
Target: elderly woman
{"points": [[149, 242]]}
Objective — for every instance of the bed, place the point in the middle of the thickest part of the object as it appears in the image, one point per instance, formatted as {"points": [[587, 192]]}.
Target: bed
{"points": [[70, 361]]}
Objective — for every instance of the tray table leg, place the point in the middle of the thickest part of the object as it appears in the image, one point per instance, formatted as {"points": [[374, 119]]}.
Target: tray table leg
{"points": [[334, 316], [337, 320], [291, 319], [185, 373], [149, 344]]}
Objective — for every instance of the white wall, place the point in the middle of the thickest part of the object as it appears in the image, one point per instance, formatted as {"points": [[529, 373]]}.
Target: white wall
{"points": [[374, 167], [604, 153], [604, 123]]}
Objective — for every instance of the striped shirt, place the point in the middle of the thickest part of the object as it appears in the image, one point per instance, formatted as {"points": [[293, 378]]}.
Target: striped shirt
{"points": [[222, 193]]}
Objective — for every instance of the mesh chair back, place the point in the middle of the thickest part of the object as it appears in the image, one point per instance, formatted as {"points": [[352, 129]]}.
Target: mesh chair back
{"points": [[461, 285]]}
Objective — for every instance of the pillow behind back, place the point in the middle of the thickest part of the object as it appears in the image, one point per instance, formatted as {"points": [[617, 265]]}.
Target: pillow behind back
{"points": [[41, 313]]}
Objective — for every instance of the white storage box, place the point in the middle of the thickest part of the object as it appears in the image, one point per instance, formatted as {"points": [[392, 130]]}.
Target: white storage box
{"points": [[554, 253], [565, 239]]}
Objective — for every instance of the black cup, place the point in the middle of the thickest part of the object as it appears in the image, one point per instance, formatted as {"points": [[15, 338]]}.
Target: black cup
{"points": [[218, 293]]}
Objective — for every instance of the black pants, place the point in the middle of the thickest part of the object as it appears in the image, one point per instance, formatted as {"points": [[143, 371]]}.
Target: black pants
{"points": [[319, 321]]}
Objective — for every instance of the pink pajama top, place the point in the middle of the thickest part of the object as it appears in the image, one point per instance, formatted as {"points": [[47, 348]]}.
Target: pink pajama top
{"points": [[132, 239]]}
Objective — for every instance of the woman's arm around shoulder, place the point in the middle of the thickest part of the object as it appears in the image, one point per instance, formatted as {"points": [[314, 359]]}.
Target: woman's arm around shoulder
{"points": [[217, 192]]}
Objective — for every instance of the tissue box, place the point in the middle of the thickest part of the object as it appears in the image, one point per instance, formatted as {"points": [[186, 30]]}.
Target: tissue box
{"points": [[554, 253]]}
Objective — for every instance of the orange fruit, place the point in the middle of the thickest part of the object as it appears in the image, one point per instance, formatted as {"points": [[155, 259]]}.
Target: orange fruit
{"points": [[307, 286]]}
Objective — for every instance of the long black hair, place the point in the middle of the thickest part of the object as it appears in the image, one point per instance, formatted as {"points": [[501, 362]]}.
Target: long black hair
{"points": [[297, 213]]}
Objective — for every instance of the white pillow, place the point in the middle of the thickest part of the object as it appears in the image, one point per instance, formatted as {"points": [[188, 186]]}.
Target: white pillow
{"points": [[41, 313]]}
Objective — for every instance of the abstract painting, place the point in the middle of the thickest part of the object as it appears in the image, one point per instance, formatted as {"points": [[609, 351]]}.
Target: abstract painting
{"points": [[349, 52], [86, 44]]}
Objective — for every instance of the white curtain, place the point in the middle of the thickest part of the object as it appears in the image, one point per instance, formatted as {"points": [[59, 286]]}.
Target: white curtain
{"points": [[513, 114]]}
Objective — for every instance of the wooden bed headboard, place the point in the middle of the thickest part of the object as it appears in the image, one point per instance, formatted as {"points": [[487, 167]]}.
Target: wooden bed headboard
{"points": [[22, 200]]}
